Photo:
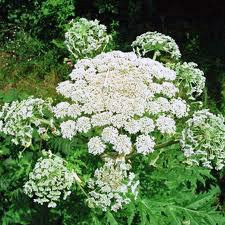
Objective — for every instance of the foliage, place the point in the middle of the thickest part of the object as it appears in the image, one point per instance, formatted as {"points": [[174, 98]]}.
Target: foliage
{"points": [[96, 146], [41, 17], [58, 10], [29, 67], [107, 7]]}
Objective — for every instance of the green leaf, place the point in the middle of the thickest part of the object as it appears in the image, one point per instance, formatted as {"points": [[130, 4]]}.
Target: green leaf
{"points": [[110, 218], [173, 216], [4, 150], [131, 213], [202, 199]]}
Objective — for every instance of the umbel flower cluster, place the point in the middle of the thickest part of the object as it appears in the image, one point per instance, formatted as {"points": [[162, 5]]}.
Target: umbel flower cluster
{"points": [[127, 97], [203, 140], [190, 79], [112, 186], [21, 119], [86, 38], [49, 180], [156, 42], [125, 104]]}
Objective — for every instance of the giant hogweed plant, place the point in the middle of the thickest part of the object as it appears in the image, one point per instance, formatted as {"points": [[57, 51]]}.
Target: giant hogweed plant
{"points": [[87, 38], [128, 141]]}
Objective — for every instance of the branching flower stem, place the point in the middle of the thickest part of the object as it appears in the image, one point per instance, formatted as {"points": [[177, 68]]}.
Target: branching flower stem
{"points": [[155, 55], [133, 153]]}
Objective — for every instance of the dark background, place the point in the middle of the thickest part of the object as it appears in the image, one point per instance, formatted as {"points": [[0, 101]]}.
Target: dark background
{"points": [[197, 26]]}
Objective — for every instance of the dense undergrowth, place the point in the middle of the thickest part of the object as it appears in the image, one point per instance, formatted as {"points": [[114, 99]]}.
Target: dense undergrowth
{"points": [[33, 63]]}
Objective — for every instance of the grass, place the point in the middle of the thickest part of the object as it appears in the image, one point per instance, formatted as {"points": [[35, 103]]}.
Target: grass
{"points": [[19, 79]]}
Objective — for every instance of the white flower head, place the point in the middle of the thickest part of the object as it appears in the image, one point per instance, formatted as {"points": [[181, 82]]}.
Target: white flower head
{"points": [[155, 41], [203, 140], [120, 95], [68, 129], [132, 126], [123, 144], [49, 180], [61, 109], [144, 144], [96, 146], [166, 125], [190, 79], [83, 124], [146, 125], [110, 134], [86, 39], [179, 108], [112, 186], [20, 119]]}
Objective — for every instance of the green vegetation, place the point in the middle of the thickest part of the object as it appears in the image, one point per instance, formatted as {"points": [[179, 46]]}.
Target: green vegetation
{"points": [[172, 188]]}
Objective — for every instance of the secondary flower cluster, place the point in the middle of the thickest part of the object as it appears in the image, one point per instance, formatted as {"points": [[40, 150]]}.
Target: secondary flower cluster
{"points": [[190, 79], [86, 38], [157, 42], [20, 119], [49, 180], [112, 186], [203, 140], [127, 97]]}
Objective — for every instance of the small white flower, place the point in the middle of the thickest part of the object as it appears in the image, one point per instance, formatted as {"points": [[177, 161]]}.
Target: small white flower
{"points": [[123, 144], [84, 39], [83, 124], [52, 205], [68, 129], [61, 109], [203, 140], [179, 108], [166, 125], [110, 134], [96, 146], [189, 78], [132, 126], [155, 41], [41, 130], [146, 125], [144, 144], [18, 120], [74, 111], [169, 89]]}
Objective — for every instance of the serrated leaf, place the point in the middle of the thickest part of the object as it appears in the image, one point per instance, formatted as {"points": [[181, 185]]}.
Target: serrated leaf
{"points": [[202, 199], [173, 216]]}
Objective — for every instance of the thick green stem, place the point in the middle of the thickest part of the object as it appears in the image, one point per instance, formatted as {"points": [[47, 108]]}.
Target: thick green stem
{"points": [[168, 143], [133, 153], [155, 55]]}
